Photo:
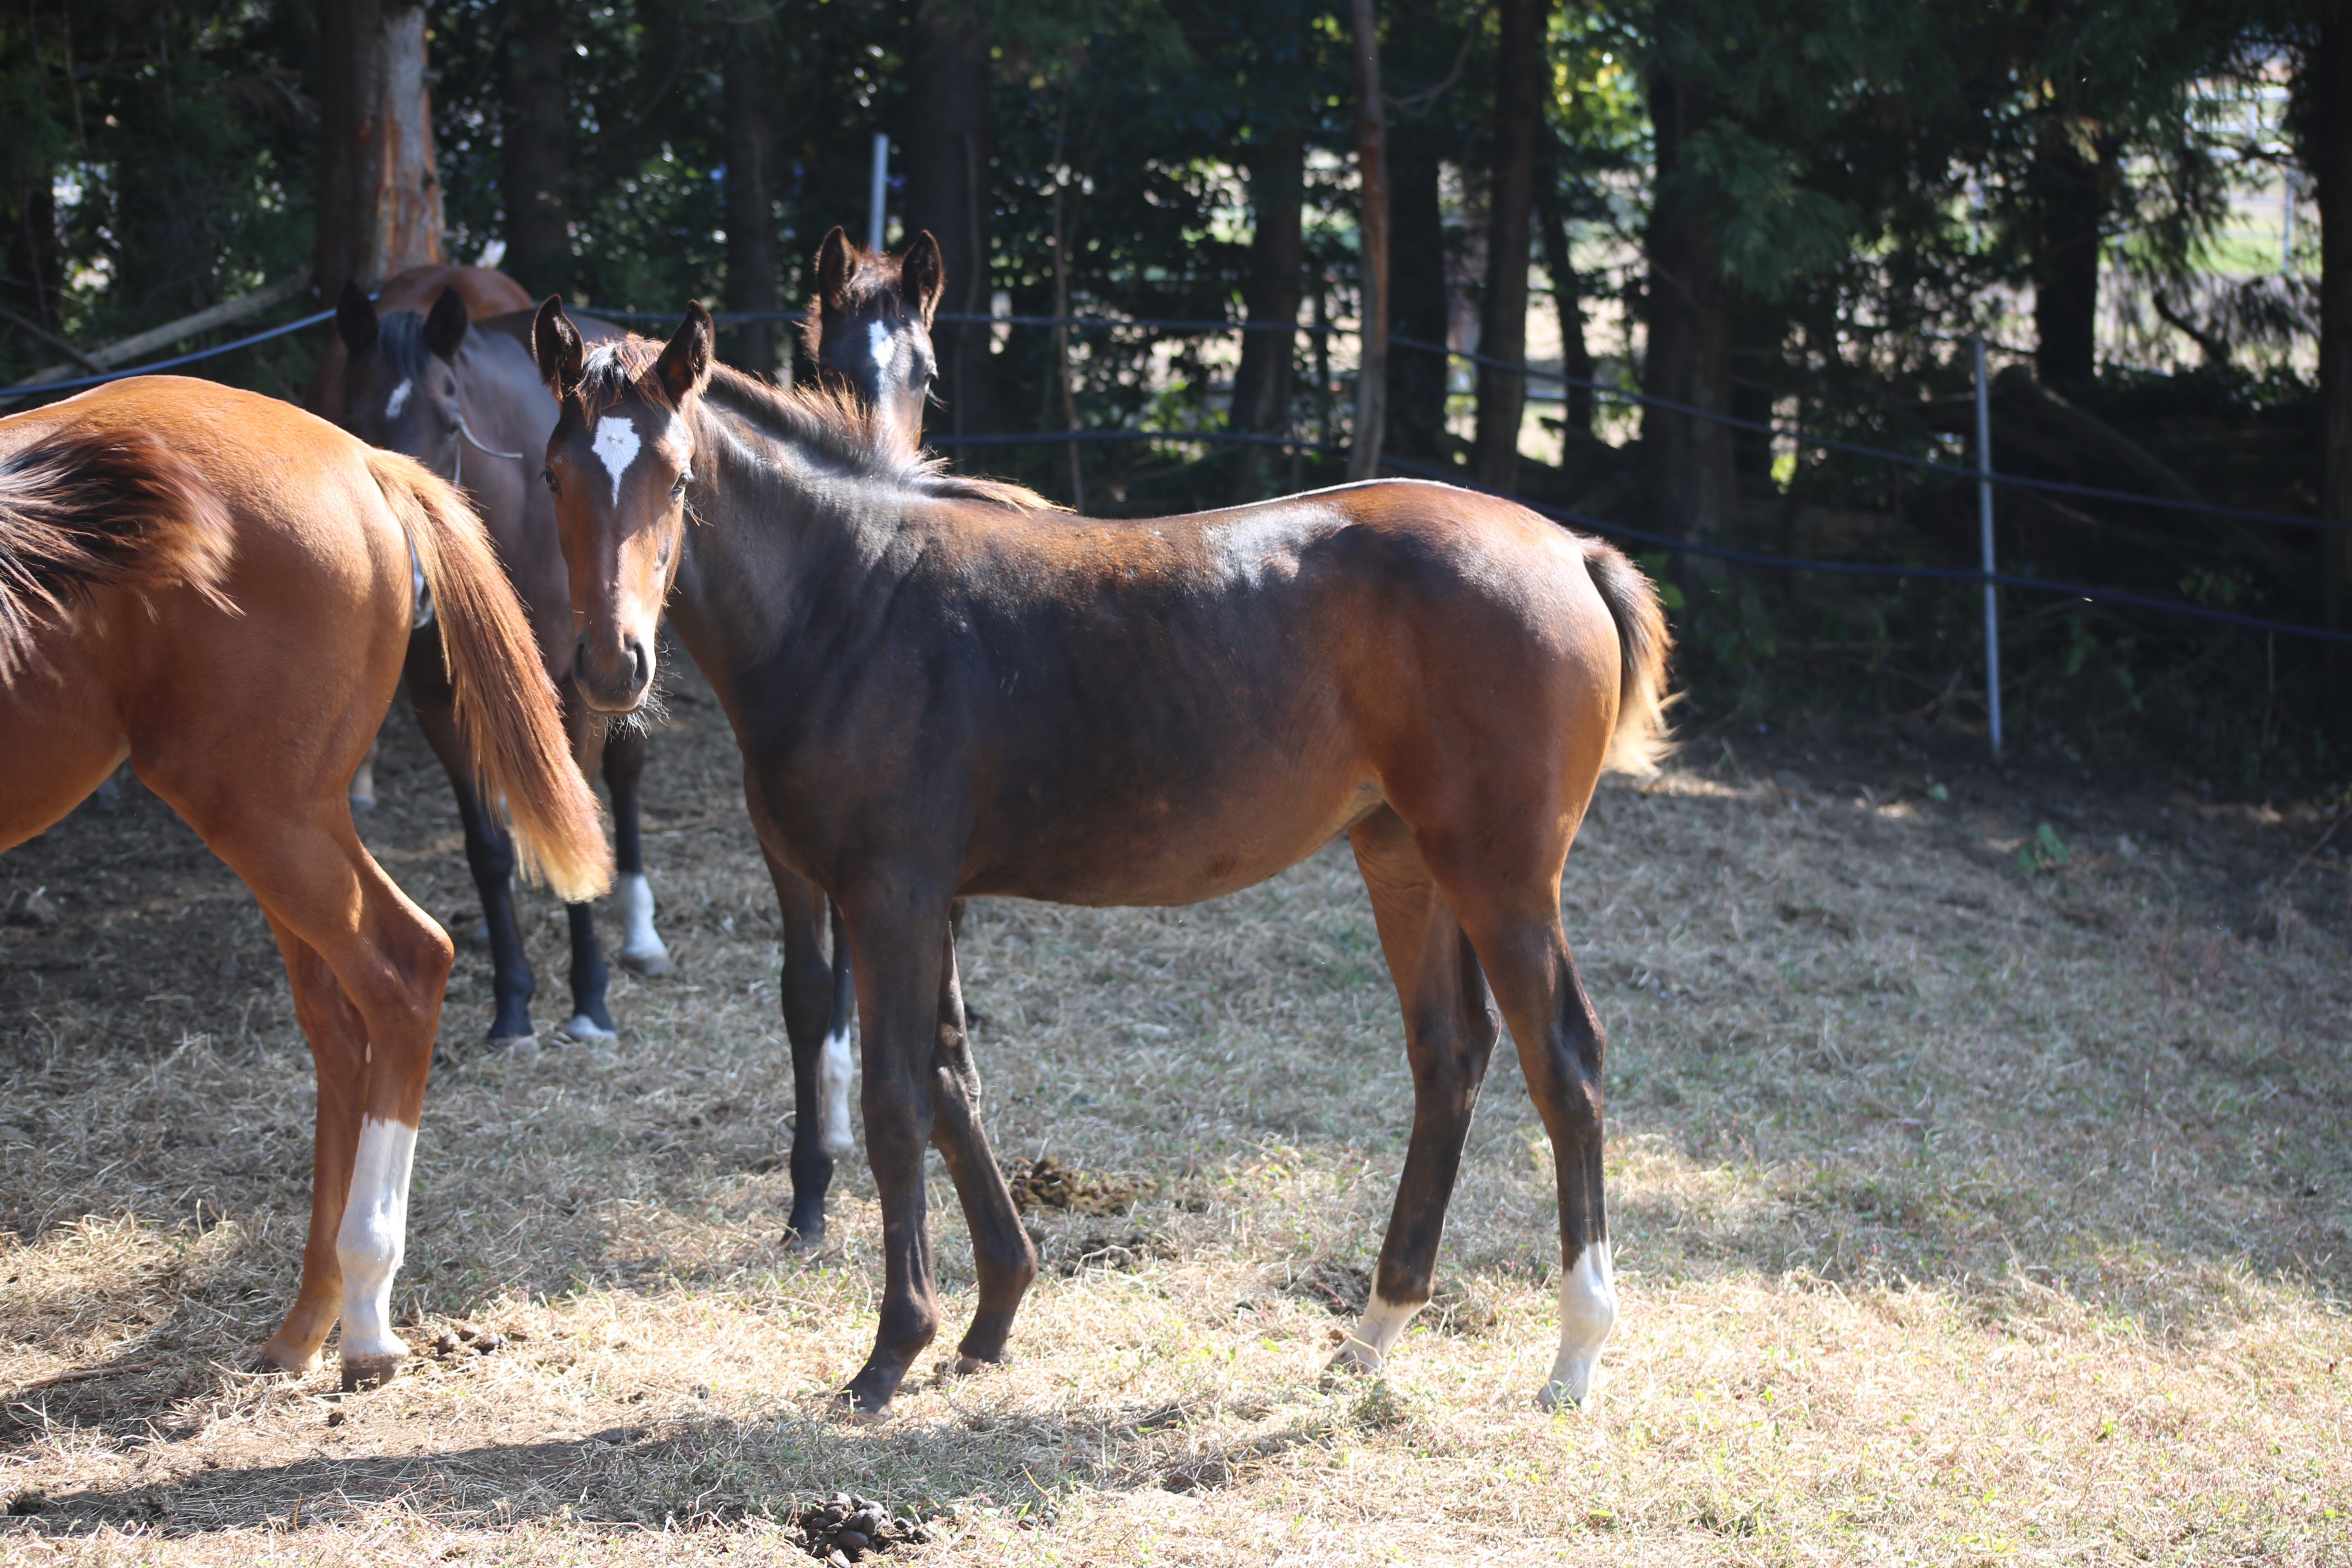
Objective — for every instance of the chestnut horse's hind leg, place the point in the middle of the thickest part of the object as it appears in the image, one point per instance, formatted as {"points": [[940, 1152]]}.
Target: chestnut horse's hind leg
{"points": [[489, 852], [1514, 921], [1450, 1031], [1000, 1249], [367, 970], [816, 1022]]}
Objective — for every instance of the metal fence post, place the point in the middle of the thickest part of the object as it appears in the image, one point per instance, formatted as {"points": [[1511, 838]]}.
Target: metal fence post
{"points": [[1984, 539], [881, 189]]}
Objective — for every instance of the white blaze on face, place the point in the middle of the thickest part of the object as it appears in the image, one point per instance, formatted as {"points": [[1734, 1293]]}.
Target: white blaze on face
{"points": [[374, 1233], [616, 446], [635, 896], [833, 1071], [877, 340], [399, 399], [1588, 1311]]}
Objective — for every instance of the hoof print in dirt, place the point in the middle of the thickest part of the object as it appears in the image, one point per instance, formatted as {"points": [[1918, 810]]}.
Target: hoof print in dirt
{"points": [[849, 1528], [1046, 1183]]}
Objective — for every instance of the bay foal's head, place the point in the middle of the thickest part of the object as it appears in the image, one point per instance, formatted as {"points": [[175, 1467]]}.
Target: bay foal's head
{"points": [[619, 463], [400, 377], [869, 329]]}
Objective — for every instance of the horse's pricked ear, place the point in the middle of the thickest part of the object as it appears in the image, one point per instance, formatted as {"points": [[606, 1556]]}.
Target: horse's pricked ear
{"points": [[834, 264], [555, 344], [685, 363], [355, 319], [923, 275], [444, 328]]}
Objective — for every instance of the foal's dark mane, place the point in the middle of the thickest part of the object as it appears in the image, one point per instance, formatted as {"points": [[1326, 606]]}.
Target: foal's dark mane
{"points": [[399, 345], [832, 426]]}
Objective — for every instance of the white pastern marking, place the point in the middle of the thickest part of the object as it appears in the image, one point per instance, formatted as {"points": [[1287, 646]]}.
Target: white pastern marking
{"points": [[1588, 1311], [833, 1071], [1383, 1322], [373, 1234], [399, 399], [618, 444], [634, 896]]}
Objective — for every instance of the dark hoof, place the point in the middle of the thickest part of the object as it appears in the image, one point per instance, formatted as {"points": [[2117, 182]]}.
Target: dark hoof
{"points": [[852, 1407], [369, 1372], [965, 1366], [650, 964], [804, 1242]]}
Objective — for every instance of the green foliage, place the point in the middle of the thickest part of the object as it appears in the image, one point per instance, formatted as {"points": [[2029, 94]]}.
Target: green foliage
{"points": [[2045, 851]]}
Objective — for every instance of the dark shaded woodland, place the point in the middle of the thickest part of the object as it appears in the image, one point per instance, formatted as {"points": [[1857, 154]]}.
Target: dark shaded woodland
{"points": [[1794, 214]]}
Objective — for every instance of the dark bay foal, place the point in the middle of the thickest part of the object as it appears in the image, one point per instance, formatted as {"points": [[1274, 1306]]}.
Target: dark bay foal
{"points": [[941, 687]]}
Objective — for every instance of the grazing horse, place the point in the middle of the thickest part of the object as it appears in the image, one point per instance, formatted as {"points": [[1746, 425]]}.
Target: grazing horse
{"points": [[463, 398], [218, 587], [868, 331], [941, 687]]}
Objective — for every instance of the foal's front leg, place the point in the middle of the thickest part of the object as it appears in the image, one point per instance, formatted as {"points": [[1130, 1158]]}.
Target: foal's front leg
{"points": [[897, 935]]}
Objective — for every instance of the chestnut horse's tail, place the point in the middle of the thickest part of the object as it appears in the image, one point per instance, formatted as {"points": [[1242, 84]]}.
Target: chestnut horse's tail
{"points": [[507, 707], [1641, 743], [115, 508]]}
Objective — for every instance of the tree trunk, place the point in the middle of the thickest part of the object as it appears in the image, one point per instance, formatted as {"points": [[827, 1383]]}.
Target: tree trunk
{"points": [[1261, 383], [1689, 355], [30, 255], [2070, 199], [751, 280], [1372, 169], [2327, 114], [379, 194], [1418, 377], [949, 144], [1520, 69], [538, 148], [1568, 299]]}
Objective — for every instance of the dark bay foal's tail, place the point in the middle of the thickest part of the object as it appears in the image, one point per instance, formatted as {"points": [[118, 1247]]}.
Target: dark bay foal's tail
{"points": [[117, 508], [506, 709], [1641, 743]]}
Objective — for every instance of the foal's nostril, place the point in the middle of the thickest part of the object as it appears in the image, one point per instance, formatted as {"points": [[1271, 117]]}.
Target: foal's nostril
{"points": [[640, 664]]}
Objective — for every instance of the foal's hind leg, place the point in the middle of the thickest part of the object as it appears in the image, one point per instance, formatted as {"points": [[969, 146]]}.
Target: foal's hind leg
{"points": [[1513, 920], [1450, 1030], [1000, 1249], [489, 852]]}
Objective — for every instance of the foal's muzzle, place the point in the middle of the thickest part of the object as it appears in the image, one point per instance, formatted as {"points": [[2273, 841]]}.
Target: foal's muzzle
{"points": [[614, 685]]}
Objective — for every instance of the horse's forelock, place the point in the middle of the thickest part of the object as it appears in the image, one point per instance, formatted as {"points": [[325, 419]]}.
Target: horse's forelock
{"points": [[611, 371], [400, 348]]}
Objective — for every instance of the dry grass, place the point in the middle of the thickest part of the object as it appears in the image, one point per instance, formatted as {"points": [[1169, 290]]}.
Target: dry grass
{"points": [[1963, 1213]]}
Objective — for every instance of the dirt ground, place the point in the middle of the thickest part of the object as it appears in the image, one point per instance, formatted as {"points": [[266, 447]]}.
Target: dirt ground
{"points": [[1979, 1193]]}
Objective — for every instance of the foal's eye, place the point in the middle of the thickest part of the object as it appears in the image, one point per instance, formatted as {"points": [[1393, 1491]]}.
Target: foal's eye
{"points": [[678, 489], [548, 476]]}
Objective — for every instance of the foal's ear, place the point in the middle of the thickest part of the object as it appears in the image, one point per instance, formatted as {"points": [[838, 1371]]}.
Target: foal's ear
{"points": [[444, 328], [923, 275], [835, 263], [555, 344], [355, 320], [684, 364]]}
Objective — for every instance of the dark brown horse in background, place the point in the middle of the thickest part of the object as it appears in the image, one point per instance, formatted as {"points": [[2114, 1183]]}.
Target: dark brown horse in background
{"points": [[463, 397], [942, 688], [868, 331], [220, 588]]}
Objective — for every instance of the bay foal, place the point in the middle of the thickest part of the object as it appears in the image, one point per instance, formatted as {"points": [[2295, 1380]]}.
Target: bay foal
{"points": [[941, 687], [463, 397], [218, 587]]}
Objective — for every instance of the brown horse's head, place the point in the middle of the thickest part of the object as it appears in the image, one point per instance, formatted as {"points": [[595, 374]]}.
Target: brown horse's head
{"points": [[400, 376], [870, 328], [619, 464]]}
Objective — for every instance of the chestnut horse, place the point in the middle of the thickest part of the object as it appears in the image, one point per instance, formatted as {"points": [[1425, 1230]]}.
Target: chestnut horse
{"points": [[219, 587], [463, 398], [941, 687]]}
